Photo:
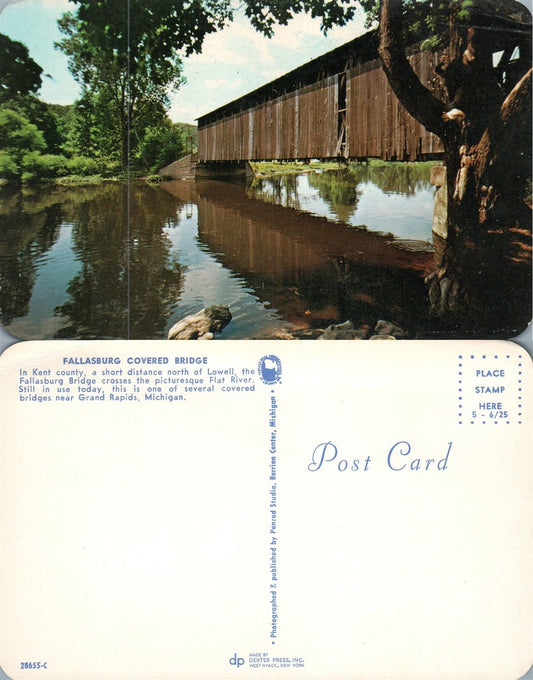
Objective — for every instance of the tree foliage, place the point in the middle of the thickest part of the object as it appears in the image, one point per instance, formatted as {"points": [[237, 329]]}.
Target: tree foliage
{"points": [[160, 27], [18, 137], [44, 116], [28, 126], [19, 73], [17, 134], [265, 15], [116, 53], [161, 145]]}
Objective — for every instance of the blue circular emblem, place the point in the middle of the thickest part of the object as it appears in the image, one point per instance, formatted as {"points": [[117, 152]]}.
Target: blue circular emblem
{"points": [[270, 369]]}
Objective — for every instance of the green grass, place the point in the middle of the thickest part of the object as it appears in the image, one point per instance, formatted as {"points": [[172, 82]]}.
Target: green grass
{"points": [[267, 168], [379, 163], [74, 180], [79, 179]]}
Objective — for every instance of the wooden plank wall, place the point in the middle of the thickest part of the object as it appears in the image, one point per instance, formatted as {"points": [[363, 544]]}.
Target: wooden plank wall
{"points": [[377, 124], [303, 124], [299, 124]]}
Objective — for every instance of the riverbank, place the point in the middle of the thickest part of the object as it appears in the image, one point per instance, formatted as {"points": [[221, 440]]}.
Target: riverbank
{"points": [[77, 180], [85, 180], [261, 169], [269, 168]]}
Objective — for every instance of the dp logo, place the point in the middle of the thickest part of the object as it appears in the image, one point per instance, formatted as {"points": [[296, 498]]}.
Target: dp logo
{"points": [[236, 661]]}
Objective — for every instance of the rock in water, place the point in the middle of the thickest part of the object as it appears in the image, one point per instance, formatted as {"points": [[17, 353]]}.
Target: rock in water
{"points": [[342, 331], [390, 329], [202, 325]]}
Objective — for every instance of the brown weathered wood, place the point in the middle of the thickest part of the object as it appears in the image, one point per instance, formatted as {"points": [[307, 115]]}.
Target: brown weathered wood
{"points": [[303, 122]]}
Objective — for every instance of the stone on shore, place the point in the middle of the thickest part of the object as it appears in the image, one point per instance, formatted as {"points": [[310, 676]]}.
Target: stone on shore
{"points": [[342, 331], [384, 330], [389, 329], [202, 325]]}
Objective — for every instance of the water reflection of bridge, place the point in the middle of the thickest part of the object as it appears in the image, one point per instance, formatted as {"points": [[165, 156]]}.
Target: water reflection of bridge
{"points": [[313, 270]]}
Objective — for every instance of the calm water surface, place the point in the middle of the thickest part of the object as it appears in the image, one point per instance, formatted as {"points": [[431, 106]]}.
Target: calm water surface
{"points": [[285, 253]]}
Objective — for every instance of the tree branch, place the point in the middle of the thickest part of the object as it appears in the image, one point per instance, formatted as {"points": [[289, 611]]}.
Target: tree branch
{"points": [[416, 98]]}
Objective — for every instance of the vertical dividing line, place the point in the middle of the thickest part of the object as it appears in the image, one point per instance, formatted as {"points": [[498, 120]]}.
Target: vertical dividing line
{"points": [[128, 187]]}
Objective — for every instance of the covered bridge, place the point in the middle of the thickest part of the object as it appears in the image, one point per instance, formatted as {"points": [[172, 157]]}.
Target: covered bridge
{"points": [[338, 105]]}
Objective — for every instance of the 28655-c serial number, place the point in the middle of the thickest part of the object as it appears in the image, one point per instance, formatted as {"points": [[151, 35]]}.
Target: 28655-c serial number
{"points": [[33, 665]]}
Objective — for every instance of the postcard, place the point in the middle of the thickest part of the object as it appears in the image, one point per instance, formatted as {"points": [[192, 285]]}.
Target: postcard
{"points": [[226, 509], [265, 367]]}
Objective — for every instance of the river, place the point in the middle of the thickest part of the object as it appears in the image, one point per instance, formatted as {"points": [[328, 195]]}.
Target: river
{"points": [[286, 253]]}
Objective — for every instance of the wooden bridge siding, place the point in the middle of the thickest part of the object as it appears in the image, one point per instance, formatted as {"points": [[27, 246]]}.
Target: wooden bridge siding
{"points": [[304, 123], [424, 64], [371, 112], [283, 128], [378, 126]]}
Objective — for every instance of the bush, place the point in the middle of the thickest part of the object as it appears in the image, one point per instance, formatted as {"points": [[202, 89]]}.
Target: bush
{"points": [[18, 137], [17, 133], [160, 146], [9, 169], [38, 167], [109, 167], [157, 179], [81, 165]]}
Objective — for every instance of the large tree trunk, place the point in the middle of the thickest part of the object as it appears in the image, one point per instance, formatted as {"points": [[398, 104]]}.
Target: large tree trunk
{"points": [[482, 286], [484, 283]]}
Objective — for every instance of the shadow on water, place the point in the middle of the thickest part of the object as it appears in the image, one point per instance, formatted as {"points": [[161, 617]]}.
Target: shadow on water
{"points": [[312, 271], [105, 262]]}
